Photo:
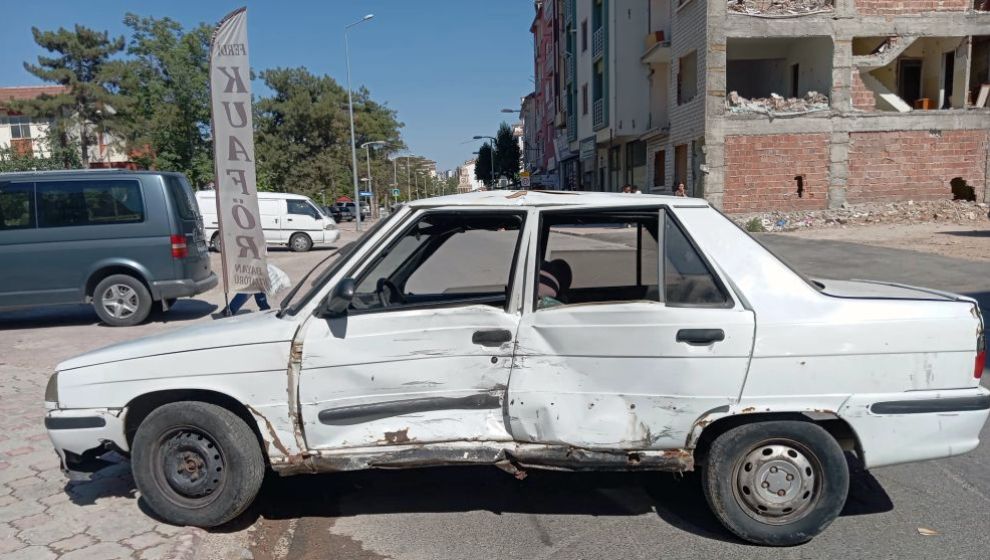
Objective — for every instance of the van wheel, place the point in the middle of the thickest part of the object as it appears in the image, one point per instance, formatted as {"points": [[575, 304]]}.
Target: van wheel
{"points": [[215, 242], [776, 483], [300, 242], [196, 463], [121, 300]]}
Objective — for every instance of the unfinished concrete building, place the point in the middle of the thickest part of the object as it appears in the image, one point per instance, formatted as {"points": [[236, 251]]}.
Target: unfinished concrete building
{"points": [[814, 103]]}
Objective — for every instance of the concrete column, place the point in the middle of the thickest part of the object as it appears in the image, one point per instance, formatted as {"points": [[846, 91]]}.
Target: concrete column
{"points": [[838, 169]]}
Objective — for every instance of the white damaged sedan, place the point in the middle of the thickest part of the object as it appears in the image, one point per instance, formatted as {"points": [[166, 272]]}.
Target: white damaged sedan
{"points": [[579, 331]]}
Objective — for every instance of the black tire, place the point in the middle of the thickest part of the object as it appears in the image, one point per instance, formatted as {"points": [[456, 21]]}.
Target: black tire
{"points": [[215, 242], [300, 242], [220, 460], [767, 453], [121, 300]]}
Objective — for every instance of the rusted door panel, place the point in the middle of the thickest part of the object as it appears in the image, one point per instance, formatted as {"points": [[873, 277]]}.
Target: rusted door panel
{"points": [[405, 376], [615, 376]]}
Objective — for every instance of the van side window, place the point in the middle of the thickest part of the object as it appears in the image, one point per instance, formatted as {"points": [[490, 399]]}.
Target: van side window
{"points": [[16, 206], [89, 203], [302, 208]]}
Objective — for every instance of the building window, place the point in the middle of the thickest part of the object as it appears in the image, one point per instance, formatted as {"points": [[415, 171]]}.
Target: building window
{"points": [[660, 168], [584, 99], [687, 77], [20, 127], [584, 35], [636, 163], [680, 165]]}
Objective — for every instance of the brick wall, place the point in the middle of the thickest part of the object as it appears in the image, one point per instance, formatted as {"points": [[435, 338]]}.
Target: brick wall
{"points": [[895, 7], [914, 165], [863, 97], [760, 172]]}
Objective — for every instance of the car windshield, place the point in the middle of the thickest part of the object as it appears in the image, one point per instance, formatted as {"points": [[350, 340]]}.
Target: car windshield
{"points": [[325, 270]]}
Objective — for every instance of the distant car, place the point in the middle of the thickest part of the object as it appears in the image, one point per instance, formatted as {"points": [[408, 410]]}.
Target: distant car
{"points": [[290, 220], [120, 240], [332, 211], [558, 330], [350, 207]]}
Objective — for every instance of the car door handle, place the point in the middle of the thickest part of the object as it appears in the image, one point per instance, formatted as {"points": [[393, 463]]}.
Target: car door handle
{"points": [[493, 337], [288, 219], [700, 337]]}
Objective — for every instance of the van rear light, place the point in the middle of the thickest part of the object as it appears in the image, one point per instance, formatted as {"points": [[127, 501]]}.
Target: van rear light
{"points": [[981, 362], [179, 248]]}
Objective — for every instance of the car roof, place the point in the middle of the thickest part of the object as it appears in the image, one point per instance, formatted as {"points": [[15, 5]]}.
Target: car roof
{"points": [[514, 198], [80, 172]]}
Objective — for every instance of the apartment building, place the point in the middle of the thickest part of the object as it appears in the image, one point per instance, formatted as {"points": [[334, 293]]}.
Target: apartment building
{"points": [[27, 136], [792, 104]]}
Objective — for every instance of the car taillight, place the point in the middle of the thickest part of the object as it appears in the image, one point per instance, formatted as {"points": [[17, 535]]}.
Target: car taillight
{"points": [[981, 362], [179, 248]]}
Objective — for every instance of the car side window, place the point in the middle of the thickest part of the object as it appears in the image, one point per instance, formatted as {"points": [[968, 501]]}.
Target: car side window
{"points": [[687, 279], [444, 259], [16, 206], [607, 256], [89, 203]]}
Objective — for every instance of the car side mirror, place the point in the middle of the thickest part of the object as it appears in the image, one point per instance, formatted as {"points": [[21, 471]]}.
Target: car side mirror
{"points": [[336, 304]]}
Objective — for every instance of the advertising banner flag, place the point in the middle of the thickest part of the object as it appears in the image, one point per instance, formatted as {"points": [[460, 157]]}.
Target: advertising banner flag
{"points": [[243, 241]]}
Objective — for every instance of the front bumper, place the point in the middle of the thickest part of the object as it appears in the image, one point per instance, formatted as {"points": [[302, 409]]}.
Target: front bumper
{"points": [[171, 289], [83, 437], [917, 425]]}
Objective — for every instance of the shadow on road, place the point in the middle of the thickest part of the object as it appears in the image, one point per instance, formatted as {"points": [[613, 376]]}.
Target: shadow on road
{"points": [[968, 233], [82, 314], [677, 499]]}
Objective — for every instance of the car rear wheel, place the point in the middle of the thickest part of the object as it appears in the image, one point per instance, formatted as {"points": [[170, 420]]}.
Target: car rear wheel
{"points": [[121, 300], [300, 242], [776, 483], [215, 242], [196, 463]]}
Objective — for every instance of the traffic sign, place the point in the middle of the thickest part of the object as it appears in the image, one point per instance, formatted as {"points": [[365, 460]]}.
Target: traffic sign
{"points": [[524, 180], [396, 192], [365, 193]]}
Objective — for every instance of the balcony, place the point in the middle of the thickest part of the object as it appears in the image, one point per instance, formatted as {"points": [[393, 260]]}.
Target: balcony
{"points": [[572, 128], [568, 12], [598, 113], [598, 43], [657, 49]]}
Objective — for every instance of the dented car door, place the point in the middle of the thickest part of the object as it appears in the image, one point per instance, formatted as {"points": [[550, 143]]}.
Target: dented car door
{"points": [[617, 359], [424, 353]]}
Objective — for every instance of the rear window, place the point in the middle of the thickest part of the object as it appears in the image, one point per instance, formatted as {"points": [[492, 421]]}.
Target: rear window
{"points": [[182, 196], [88, 203]]}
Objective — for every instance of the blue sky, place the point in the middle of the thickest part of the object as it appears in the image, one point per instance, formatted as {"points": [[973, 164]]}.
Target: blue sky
{"points": [[434, 61]]}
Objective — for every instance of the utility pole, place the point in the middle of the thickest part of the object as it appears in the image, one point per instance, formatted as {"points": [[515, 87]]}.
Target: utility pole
{"points": [[350, 110]]}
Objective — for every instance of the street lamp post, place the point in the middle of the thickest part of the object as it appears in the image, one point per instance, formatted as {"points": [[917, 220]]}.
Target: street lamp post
{"points": [[492, 151], [367, 154], [350, 110]]}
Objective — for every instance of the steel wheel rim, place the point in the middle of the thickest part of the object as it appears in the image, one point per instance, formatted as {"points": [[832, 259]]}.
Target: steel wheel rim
{"points": [[120, 301], [777, 482], [299, 242], [190, 467]]}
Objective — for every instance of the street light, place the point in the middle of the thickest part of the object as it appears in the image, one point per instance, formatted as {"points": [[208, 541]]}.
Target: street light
{"points": [[367, 154], [350, 110], [492, 152]]}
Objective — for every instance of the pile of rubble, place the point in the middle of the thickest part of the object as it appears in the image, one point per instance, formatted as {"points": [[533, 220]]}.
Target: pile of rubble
{"points": [[777, 104], [780, 7], [909, 212]]}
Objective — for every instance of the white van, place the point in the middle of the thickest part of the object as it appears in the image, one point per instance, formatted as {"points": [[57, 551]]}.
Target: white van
{"points": [[292, 220]]}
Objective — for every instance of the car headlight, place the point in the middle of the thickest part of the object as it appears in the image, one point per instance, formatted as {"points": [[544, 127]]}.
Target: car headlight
{"points": [[330, 226], [51, 390]]}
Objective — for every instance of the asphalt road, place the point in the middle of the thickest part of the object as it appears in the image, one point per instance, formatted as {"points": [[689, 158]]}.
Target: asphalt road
{"points": [[479, 512]]}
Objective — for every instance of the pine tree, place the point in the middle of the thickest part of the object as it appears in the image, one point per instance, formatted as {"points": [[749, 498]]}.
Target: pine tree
{"points": [[82, 63], [507, 153], [483, 167]]}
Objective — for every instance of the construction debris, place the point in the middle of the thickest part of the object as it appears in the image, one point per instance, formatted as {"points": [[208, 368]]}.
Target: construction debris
{"points": [[908, 212], [780, 7], [777, 104]]}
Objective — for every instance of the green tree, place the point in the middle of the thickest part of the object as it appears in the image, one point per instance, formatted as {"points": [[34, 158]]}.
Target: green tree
{"points": [[302, 134], [483, 165], [83, 64], [507, 153], [167, 81], [57, 156]]}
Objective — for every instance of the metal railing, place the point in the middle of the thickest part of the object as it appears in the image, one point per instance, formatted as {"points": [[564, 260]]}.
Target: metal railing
{"points": [[598, 112], [598, 43], [571, 127]]}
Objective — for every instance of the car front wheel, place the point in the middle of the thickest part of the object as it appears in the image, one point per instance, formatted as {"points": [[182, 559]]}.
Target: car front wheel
{"points": [[196, 463], [776, 483]]}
